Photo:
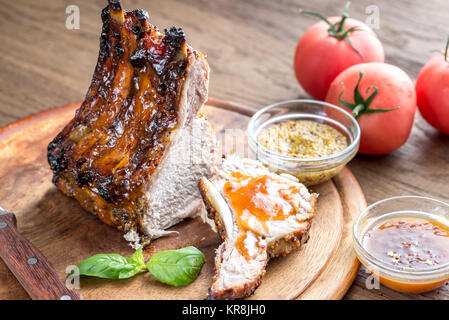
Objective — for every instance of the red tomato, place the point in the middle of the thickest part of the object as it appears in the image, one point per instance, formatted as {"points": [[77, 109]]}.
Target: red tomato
{"points": [[432, 92], [320, 56], [382, 98]]}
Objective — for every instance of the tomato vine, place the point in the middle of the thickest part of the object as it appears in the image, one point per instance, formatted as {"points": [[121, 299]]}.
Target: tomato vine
{"points": [[337, 30], [362, 106]]}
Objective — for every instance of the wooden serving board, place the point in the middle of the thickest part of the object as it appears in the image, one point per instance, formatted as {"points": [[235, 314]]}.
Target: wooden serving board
{"points": [[323, 269]]}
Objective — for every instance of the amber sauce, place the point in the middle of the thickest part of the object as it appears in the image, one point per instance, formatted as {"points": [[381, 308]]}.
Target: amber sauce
{"points": [[261, 197], [409, 243]]}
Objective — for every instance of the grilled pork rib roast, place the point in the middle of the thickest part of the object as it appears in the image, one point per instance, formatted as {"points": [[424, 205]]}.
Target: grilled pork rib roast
{"points": [[259, 215], [136, 149]]}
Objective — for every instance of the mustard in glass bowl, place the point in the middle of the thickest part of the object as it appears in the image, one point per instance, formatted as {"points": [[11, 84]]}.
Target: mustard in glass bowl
{"points": [[309, 139]]}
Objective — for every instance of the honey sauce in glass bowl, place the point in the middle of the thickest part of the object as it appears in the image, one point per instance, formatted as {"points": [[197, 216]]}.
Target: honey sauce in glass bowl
{"points": [[414, 243], [404, 242]]}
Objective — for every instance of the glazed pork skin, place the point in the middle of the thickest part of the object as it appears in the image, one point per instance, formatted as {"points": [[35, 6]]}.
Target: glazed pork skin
{"points": [[237, 273], [135, 150]]}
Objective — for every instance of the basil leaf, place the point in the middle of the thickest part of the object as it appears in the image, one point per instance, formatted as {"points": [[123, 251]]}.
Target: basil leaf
{"points": [[137, 257], [112, 265], [176, 267]]}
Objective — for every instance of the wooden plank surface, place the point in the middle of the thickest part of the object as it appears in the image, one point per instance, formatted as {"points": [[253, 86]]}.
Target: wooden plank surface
{"points": [[250, 47]]}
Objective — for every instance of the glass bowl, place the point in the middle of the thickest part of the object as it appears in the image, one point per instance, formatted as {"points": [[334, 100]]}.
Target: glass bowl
{"points": [[308, 171], [398, 277]]}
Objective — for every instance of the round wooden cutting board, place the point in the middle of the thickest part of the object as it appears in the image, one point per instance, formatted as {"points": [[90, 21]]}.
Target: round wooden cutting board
{"points": [[324, 268]]}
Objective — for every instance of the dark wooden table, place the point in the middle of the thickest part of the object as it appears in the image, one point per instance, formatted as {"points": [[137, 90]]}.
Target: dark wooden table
{"points": [[250, 46]]}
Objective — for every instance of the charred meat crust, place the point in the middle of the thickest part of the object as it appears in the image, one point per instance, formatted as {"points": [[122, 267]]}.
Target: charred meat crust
{"points": [[115, 142], [239, 292], [288, 243], [279, 248], [293, 241], [236, 292]]}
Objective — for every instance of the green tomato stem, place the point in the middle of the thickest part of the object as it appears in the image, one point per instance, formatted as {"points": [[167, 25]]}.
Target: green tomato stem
{"points": [[358, 110], [343, 18], [337, 29]]}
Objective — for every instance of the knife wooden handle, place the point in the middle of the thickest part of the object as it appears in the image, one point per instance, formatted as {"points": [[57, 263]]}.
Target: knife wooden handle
{"points": [[34, 272]]}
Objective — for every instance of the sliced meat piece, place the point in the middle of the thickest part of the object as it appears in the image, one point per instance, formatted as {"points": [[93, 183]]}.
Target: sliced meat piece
{"points": [[135, 150], [259, 215]]}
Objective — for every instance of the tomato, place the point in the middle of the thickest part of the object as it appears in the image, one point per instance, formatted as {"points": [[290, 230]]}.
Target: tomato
{"points": [[383, 100], [331, 46], [432, 91]]}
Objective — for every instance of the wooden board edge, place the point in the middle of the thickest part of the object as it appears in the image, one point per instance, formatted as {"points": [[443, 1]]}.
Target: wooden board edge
{"points": [[322, 288], [18, 125], [333, 251], [345, 179]]}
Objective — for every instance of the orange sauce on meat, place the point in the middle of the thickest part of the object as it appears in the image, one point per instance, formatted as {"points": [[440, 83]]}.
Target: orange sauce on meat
{"points": [[413, 243], [263, 198]]}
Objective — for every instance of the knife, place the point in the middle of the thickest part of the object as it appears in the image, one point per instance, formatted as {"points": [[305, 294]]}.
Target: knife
{"points": [[31, 268]]}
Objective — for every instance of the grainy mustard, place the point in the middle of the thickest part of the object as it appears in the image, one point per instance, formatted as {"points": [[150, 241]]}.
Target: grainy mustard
{"points": [[303, 139]]}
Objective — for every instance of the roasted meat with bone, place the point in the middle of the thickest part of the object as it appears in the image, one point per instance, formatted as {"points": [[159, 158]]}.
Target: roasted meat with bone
{"points": [[136, 148], [259, 215]]}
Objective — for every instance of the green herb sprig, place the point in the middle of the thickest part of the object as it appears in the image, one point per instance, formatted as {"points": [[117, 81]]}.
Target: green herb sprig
{"points": [[174, 267]]}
